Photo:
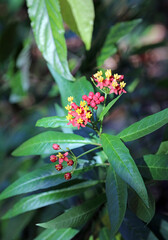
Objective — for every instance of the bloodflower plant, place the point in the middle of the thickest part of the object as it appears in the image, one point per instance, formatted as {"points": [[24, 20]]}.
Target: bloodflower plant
{"points": [[85, 115]]}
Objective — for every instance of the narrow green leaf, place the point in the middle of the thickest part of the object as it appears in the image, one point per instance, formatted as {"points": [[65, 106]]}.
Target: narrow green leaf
{"points": [[163, 148], [81, 24], [104, 234], [42, 143], [122, 162], [42, 178], [144, 126], [47, 198], [137, 206], [154, 166], [107, 108], [116, 192], [76, 89], [60, 234], [76, 216], [132, 228], [53, 122], [116, 32], [47, 24]]}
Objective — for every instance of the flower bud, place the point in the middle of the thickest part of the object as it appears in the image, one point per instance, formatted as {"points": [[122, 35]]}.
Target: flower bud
{"points": [[53, 158], [59, 167], [67, 176], [98, 94], [70, 162], [56, 146], [84, 97], [101, 99], [92, 104]]}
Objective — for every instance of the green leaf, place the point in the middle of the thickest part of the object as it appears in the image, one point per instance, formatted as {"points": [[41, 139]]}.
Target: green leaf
{"points": [[116, 192], [60, 234], [137, 206], [42, 178], [154, 166], [122, 162], [47, 24], [132, 228], [47, 198], [107, 108], [76, 89], [117, 31], [163, 148], [76, 216], [144, 126], [53, 122], [104, 234], [42, 143], [81, 24]]}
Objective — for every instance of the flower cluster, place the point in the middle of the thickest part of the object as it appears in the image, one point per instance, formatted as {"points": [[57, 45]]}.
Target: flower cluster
{"points": [[61, 158], [112, 83], [93, 99]]}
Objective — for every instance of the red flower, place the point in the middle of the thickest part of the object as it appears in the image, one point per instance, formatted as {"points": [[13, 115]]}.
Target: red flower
{"points": [[67, 176]]}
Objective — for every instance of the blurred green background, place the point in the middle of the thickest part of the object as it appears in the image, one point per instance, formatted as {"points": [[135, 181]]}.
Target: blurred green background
{"points": [[28, 91]]}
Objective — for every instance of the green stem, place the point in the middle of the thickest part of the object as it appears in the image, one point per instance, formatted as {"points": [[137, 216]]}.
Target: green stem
{"points": [[101, 124], [93, 149]]}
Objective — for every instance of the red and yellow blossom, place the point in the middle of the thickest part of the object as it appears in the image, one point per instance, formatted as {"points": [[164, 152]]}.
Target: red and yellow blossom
{"points": [[112, 83]]}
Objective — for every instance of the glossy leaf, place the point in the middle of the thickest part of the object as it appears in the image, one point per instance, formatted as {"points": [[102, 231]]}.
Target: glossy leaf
{"points": [[145, 126], [42, 178], [116, 32], [47, 24], [59, 234], [76, 216], [137, 206], [107, 108], [47, 198], [122, 162], [163, 148], [42, 143], [76, 89], [116, 192], [154, 166], [81, 24], [132, 228], [53, 122]]}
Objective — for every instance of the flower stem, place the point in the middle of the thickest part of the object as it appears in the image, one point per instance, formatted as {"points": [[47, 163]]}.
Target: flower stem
{"points": [[93, 149], [101, 124]]}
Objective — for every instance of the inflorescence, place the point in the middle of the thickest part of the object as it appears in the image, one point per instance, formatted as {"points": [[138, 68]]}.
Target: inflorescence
{"points": [[110, 83], [80, 115], [61, 158]]}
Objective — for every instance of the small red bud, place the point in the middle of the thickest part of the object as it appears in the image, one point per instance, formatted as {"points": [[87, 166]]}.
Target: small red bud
{"points": [[95, 98], [98, 94], [56, 146], [96, 108], [91, 94], [92, 104], [67, 176], [84, 97], [59, 167], [70, 162], [101, 99], [53, 158]]}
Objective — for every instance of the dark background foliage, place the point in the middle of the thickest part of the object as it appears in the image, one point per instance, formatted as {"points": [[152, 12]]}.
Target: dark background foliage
{"points": [[28, 91]]}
